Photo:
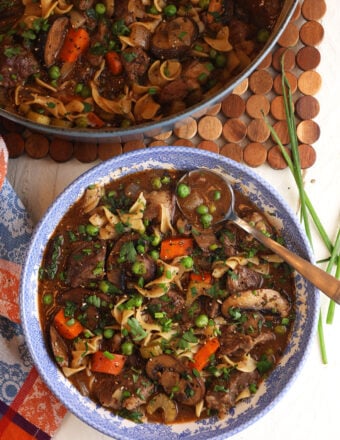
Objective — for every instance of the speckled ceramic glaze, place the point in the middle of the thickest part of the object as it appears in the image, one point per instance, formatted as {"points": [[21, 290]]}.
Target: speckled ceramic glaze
{"points": [[270, 392]]}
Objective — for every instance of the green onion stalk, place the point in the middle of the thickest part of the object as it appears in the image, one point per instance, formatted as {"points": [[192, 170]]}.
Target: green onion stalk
{"points": [[307, 210]]}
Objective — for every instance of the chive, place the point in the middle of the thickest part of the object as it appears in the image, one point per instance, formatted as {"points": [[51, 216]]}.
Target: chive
{"points": [[108, 355], [334, 256], [306, 205]]}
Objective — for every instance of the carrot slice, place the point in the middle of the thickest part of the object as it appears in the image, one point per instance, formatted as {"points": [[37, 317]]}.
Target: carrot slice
{"points": [[204, 277], [201, 358], [95, 120], [176, 247], [106, 362], [75, 43], [214, 10], [114, 62], [66, 327]]}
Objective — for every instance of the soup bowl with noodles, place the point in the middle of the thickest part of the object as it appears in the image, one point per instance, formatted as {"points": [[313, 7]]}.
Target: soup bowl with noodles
{"points": [[145, 325]]}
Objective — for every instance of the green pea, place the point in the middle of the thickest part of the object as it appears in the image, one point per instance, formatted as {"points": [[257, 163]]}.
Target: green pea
{"points": [[127, 348], [108, 333], [213, 53], [217, 195], [206, 220], [78, 88], [100, 8], [262, 35], [202, 209], [140, 248], [183, 190], [187, 262], [153, 10], [170, 10], [165, 180], [154, 254], [220, 60], [156, 239], [280, 329], [54, 72], [125, 123], [203, 4], [138, 268], [82, 122], [48, 299], [201, 321], [85, 92], [156, 183], [91, 230]]}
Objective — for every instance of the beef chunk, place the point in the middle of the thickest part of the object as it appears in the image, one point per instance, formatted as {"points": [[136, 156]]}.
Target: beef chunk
{"points": [[136, 63], [17, 64], [243, 278], [86, 263], [172, 303], [234, 344], [222, 395]]}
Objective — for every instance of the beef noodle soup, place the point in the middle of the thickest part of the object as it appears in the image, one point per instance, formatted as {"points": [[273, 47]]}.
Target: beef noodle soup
{"points": [[156, 318], [118, 63]]}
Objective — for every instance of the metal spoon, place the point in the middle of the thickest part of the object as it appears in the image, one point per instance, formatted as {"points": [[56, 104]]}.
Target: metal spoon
{"points": [[321, 279]]}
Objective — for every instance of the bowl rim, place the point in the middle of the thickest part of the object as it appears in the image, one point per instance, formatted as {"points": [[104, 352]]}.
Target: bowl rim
{"points": [[152, 128], [98, 173]]}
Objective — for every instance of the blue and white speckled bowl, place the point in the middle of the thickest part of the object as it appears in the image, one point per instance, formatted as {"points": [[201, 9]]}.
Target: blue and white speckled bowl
{"points": [[246, 412]]}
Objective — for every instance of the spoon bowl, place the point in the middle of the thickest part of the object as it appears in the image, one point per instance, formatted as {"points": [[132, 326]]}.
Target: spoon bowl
{"points": [[206, 198]]}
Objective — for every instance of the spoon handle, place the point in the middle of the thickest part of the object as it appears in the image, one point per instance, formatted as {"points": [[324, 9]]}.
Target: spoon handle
{"points": [[321, 279]]}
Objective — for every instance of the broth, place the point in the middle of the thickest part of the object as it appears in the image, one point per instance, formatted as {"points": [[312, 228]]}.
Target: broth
{"points": [[157, 319]]}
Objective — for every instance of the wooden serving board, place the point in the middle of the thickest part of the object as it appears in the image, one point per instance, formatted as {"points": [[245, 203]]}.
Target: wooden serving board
{"points": [[235, 127]]}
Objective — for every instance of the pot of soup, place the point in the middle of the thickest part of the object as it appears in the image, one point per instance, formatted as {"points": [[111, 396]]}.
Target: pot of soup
{"points": [[116, 70]]}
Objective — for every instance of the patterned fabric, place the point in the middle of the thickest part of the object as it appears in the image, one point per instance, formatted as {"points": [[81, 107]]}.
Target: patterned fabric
{"points": [[28, 410]]}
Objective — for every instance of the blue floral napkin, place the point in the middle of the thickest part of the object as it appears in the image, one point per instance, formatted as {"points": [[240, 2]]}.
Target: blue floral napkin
{"points": [[28, 410]]}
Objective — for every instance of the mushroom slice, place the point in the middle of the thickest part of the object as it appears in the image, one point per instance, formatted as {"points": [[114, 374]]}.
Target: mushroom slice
{"points": [[139, 36], [221, 42], [157, 365], [163, 402], [268, 300]]}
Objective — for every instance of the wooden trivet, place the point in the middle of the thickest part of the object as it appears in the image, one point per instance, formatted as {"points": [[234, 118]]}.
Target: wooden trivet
{"points": [[235, 127]]}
